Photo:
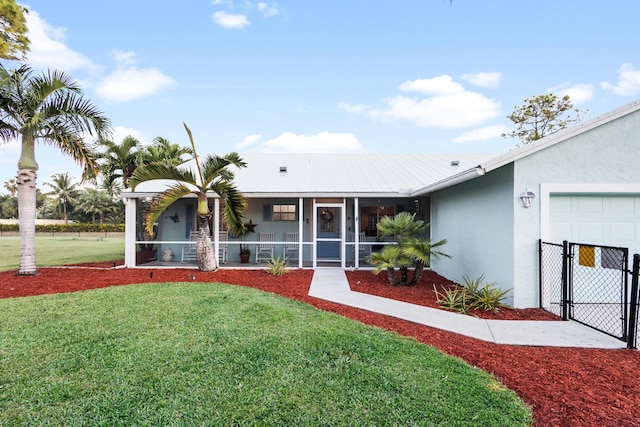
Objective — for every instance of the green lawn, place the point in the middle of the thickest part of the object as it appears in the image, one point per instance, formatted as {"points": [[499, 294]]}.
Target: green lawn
{"points": [[62, 250], [210, 354]]}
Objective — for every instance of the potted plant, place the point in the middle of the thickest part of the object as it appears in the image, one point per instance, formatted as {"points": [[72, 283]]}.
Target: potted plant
{"points": [[245, 253]]}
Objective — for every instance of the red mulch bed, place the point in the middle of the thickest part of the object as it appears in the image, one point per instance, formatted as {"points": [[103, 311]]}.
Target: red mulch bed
{"points": [[564, 386], [423, 294]]}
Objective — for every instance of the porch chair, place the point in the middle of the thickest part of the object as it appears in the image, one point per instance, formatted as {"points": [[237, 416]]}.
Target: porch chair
{"points": [[364, 250], [224, 247], [291, 247], [189, 250], [265, 247]]}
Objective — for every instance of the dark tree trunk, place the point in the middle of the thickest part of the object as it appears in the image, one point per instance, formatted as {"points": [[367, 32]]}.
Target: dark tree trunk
{"points": [[391, 276], [404, 274], [417, 273]]}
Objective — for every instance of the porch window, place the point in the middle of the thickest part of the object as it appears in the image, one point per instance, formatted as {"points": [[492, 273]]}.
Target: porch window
{"points": [[370, 216], [283, 212]]}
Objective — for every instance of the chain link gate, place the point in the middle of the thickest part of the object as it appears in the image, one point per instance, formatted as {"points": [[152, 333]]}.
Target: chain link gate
{"points": [[587, 284], [597, 292]]}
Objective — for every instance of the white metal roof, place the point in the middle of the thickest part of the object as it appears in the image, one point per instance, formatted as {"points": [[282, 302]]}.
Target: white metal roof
{"points": [[344, 174], [383, 174]]}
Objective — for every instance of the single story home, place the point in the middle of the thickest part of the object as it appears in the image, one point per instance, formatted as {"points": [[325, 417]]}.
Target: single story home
{"points": [[581, 184]]}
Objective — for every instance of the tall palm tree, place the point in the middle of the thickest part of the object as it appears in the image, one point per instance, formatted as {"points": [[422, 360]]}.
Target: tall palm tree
{"points": [[212, 174], [64, 192], [50, 108], [120, 160]]}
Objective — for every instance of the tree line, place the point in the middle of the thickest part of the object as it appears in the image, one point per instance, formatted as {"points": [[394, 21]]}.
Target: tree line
{"points": [[100, 201]]}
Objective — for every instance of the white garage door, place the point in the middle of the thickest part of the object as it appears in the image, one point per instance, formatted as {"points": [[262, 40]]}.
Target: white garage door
{"points": [[610, 220]]}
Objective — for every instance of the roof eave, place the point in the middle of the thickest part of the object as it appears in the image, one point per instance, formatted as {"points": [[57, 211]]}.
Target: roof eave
{"points": [[467, 175]]}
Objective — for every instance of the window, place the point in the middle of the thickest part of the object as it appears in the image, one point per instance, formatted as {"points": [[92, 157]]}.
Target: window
{"points": [[370, 216], [283, 212]]}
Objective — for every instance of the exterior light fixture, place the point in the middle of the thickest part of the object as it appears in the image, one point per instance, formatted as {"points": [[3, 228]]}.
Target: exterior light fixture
{"points": [[283, 169], [455, 162], [527, 198]]}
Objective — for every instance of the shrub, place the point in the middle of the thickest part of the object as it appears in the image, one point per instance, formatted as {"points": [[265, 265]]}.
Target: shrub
{"points": [[278, 266], [476, 294], [72, 227], [484, 296], [452, 299]]}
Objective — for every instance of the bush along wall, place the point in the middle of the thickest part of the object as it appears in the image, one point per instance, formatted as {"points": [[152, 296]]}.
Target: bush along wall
{"points": [[69, 228]]}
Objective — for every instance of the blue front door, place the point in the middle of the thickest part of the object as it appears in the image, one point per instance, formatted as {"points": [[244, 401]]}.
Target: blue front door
{"points": [[329, 242]]}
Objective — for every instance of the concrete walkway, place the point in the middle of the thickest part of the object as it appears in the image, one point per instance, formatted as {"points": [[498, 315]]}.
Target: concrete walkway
{"points": [[331, 284]]}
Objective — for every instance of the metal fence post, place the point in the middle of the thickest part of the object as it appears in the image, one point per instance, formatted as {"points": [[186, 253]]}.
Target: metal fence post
{"points": [[565, 280], [540, 286], [633, 309]]}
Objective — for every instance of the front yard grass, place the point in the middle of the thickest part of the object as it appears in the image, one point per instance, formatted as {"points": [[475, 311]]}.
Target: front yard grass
{"points": [[63, 250], [211, 354]]}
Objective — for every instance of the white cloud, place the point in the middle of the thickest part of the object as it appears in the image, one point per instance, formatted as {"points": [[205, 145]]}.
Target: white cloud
{"points": [[579, 93], [440, 102], [267, 10], [452, 111], [123, 57], [482, 134], [350, 108], [489, 80], [628, 81], [248, 142], [230, 20], [128, 83], [121, 132], [288, 142], [441, 85], [48, 50]]}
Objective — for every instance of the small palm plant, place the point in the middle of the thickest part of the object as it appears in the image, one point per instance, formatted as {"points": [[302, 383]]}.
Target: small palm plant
{"points": [[407, 251], [389, 258], [422, 252]]}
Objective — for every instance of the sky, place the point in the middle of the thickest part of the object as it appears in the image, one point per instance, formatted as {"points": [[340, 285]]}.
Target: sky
{"points": [[402, 76]]}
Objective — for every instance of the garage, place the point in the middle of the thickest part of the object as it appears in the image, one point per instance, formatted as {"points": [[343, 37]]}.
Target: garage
{"points": [[599, 219]]}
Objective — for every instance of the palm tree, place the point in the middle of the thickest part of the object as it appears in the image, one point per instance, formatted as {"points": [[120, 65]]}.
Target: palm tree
{"points": [[409, 249], [50, 108], [120, 160], [422, 251], [213, 174], [64, 192], [11, 186], [162, 150], [388, 259], [95, 202], [401, 227]]}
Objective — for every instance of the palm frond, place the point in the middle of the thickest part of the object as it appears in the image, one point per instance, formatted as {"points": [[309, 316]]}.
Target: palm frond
{"points": [[157, 171], [162, 201], [234, 205]]}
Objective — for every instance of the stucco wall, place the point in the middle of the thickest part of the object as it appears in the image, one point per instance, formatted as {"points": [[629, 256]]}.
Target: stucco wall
{"points": [[608, 154], [476, 217]]}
